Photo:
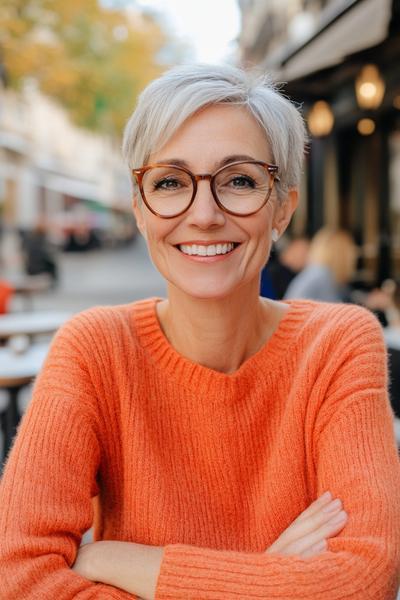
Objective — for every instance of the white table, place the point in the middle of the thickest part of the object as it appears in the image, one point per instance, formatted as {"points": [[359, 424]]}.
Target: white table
{"points": [[31, 323], [14, 367], [16, 371], [27, 286]]}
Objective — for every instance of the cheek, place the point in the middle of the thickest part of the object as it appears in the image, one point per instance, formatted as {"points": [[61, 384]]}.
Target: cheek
{"points": [[258, 232], [156, 233], [261, 248], [155, 229]]}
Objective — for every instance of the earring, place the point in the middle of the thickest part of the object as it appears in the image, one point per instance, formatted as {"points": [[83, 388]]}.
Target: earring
{"points": [[275, 235]]}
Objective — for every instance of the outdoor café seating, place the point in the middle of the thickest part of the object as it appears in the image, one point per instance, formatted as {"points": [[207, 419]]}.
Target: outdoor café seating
{"points": [[24, 340], [6, 292], [17, 369]]}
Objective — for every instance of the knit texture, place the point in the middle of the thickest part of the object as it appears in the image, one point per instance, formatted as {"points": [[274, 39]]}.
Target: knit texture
{"points": [[211, 466]]}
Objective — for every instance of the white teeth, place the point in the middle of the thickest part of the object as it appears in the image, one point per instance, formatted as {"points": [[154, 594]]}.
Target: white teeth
{"points": [[211, 250]]}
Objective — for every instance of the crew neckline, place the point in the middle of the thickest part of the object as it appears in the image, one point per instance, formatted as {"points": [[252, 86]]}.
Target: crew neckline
{"points": [[190, 374]]}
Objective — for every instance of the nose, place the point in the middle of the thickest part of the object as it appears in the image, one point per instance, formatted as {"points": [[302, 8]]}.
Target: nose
{"points": [[205, 212]]}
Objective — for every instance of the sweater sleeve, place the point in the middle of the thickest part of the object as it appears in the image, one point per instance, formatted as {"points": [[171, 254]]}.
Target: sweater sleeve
{"points": [[356, 459], [49, 481]]}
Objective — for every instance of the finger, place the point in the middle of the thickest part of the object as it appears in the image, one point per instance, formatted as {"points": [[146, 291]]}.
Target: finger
{"points": [[316, 515], [317, 505], [327, 530], [333, 526], [305, 525], [315, 550]]}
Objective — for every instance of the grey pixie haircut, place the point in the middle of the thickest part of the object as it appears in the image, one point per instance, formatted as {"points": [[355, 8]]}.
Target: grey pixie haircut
{"points": [[184, 90]]}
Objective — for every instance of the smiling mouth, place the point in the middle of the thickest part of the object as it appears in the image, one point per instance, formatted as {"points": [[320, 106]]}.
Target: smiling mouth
{"points": [[207, 250]]}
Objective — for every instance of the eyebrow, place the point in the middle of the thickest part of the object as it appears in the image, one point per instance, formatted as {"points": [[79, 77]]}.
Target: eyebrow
{"points": [[221, 163]]}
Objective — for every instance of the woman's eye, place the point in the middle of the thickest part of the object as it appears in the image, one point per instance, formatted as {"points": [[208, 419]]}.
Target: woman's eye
{"points": [[166, 184], [242, 181]]}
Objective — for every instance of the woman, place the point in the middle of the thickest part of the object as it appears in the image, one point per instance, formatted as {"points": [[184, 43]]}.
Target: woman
{"points": [[331, 264], [283, 266], [208, 424]]}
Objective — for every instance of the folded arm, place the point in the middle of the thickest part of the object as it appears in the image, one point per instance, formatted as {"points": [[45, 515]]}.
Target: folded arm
{"points": [[355, 457], [48, 484]]}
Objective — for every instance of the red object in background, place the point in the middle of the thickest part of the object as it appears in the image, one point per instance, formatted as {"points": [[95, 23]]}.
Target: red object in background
{"points": [[6, 291]]}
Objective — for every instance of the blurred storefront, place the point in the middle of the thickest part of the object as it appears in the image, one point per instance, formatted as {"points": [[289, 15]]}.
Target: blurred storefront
{"points": [[55, 173], [340, 60]]}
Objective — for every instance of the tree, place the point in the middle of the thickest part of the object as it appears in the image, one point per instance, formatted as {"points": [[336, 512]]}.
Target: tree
{"points": [[93, 60]]}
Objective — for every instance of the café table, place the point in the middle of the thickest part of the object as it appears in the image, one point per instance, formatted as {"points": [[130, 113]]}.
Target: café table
{"points": [[26, 286], [16, 371], [31, 323]]}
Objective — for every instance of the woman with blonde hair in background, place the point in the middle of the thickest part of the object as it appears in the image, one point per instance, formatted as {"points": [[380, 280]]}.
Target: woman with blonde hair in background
{"points": [[331, 264], [239, 447]]}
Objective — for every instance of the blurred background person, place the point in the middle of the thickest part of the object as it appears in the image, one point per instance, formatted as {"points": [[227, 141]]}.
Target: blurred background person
{"points": [[285, 262], [330, 267], [386, 300], [392, 338], [391, 289], [39, 255]]}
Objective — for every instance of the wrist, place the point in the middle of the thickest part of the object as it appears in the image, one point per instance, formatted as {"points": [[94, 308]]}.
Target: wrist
{"points": [[131, 567]]}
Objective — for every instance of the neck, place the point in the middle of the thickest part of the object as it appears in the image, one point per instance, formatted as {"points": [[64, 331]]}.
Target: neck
{"points": [[219, 333]]}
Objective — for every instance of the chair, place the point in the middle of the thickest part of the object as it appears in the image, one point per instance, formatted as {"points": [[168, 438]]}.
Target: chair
{"points": [[6, 292], [394, 378]]}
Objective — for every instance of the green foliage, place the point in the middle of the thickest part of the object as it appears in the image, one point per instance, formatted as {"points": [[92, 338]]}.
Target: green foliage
{"points": [[93, 60]]}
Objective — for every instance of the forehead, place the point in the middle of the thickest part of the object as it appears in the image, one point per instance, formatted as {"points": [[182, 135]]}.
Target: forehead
{"points": [[213, 132]]}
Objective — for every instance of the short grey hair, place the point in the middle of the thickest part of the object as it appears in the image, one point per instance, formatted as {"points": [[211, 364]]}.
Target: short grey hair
{"points": [[183, 90]]}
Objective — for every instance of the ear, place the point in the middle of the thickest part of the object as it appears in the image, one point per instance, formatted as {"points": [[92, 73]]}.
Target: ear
{"points": [[284, 210], [138, 212]]}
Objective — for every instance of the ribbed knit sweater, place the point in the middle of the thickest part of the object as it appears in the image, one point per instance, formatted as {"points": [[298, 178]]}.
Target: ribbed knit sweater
{"points": [[211, 466]]}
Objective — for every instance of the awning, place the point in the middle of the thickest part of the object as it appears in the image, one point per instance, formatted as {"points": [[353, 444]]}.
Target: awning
{"points": [[77, 188], [13, 141], [359, 25]]}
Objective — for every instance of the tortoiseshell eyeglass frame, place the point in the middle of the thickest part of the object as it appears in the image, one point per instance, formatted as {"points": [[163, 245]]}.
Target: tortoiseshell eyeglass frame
{"points": [[271, 169]]}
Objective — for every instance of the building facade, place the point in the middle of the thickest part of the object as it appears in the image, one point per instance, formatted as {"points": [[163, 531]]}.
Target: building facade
{"points": [[54, 172], [339, 59]]}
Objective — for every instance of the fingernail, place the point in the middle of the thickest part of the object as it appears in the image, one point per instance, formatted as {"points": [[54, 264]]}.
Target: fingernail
{"points": [[339, 518], [325, 496], [332, 506]]}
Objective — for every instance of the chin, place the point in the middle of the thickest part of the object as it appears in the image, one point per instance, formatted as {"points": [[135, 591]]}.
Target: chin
{"points": [[207, 289], [207, 295], [202, 293]]}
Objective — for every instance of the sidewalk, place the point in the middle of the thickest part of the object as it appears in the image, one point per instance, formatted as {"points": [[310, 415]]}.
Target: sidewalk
{"points": [[95, 278], [102, 277]]}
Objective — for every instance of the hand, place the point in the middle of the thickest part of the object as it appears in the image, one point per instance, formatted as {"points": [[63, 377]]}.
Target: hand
{"points": [[378, 299], [131, 567], [306, 536]]}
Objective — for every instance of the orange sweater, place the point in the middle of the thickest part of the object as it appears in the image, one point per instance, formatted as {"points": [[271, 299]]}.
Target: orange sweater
{"points": [[212, 466]]}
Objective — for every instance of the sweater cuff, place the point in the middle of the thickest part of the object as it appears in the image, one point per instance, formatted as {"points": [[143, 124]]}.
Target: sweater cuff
{"points": [[192, 572]]}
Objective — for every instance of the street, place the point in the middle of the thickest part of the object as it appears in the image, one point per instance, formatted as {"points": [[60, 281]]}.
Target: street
{"points": [[98, 277], [112, 276]]}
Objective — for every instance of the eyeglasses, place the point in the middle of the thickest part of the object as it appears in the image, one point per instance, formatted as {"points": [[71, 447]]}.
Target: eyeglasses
{"points": [[240, 188]]}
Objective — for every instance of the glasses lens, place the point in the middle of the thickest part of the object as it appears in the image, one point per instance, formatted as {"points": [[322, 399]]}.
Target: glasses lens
{"points": [[168, 190], [243, 188]]}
